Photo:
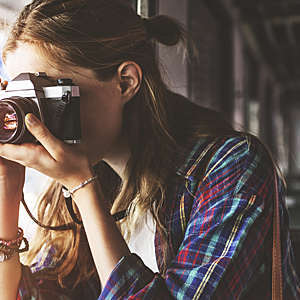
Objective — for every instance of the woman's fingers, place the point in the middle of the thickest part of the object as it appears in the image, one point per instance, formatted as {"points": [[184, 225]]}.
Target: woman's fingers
{"points": [[53, 145], [31, 155], [28, 155], [53, 157]]}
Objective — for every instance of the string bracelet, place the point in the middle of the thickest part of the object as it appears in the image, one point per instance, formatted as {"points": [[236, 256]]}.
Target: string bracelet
{"points": [[69, 193], [6, 256], [8, 248]]}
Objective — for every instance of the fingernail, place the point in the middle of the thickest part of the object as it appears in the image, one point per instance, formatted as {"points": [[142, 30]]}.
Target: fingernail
{"points": [[31, 119]]}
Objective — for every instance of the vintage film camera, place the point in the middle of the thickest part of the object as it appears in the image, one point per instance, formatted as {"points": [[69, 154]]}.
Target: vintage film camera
{"points": [[55, 103]]}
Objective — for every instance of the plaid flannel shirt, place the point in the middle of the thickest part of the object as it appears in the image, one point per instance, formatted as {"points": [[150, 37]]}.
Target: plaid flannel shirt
{"points": [[218, 215]]}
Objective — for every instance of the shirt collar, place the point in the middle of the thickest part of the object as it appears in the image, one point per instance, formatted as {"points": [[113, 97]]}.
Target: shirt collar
{"points": [[189, 168]]}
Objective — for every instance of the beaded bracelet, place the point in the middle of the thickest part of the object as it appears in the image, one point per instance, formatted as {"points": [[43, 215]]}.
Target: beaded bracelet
{"points": [[8, 248], [17, 241], [16, 247]]}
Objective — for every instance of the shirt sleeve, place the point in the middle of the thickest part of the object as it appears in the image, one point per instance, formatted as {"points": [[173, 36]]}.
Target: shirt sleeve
{"points": [[232, 204], [32, 287], [35, 285]]}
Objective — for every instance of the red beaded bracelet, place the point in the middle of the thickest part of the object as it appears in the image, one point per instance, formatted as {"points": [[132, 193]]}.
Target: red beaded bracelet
{"points": [[16, 242]]}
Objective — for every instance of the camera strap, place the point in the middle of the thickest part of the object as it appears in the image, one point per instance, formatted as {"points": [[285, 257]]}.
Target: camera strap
{"points": [[63, 227], [59, 113], [69, 203], [69, 226]]}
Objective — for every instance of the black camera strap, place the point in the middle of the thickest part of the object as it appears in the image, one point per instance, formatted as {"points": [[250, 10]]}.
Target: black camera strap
{"points": [[69, 226], [69, 203], [60, 111]]}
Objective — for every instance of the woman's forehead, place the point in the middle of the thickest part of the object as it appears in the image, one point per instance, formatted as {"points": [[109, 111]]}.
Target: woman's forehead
{"points": [[27, 58]]}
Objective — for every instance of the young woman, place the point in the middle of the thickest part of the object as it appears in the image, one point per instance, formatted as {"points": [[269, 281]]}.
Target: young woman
{"points": [[198, 196]]}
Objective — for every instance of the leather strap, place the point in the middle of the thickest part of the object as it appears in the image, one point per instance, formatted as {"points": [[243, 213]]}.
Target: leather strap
{"points": [[69, 205], [277, 293], [117, 216]]}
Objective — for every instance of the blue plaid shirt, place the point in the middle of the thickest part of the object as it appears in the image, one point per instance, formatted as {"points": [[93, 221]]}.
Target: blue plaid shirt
{"points": [[219, 221]]}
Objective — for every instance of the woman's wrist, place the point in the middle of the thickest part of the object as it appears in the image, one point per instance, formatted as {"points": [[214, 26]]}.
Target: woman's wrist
{"points": [[9, 215], [10, 196], [91, 196], [76, 179], [87, 192], [8, 231], [9, 223], [70, 192]]}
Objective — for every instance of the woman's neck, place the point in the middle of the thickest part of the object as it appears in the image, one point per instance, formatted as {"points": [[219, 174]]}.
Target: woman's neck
{"points": [[118, 157]]}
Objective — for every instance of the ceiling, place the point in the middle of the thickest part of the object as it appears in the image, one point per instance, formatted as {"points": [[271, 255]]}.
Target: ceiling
{"points": [[276, 26]]}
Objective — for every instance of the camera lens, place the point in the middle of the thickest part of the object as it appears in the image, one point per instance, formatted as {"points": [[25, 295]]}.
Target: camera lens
{"points": [[12, 120], [8, 122]]}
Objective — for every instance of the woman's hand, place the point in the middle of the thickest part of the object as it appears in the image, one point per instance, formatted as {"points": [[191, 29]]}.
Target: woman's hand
{"points": [[53, 157]]}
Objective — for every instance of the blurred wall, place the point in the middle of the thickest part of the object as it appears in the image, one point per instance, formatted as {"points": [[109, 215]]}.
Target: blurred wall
{"points": [[173, 59]]}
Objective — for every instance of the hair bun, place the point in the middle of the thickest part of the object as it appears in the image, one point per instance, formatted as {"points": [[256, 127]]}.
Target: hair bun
{"points": [[164, 29]]}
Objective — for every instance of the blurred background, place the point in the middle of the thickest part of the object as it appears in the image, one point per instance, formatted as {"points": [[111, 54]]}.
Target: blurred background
{"points": [[248, 68]]}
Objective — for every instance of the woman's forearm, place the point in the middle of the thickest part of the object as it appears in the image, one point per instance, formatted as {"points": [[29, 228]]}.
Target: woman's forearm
{"points": [[105, 240], [10, 270]]}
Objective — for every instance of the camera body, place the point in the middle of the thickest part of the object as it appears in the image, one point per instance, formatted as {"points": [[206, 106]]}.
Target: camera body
{"points": [[55, 102]]}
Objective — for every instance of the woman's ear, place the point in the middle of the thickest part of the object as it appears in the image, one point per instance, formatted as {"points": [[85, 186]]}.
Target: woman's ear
{"points": [[130, 78]]}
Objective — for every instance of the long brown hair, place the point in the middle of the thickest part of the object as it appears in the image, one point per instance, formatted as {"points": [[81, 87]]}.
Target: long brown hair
{"points": [[100, 35]]}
